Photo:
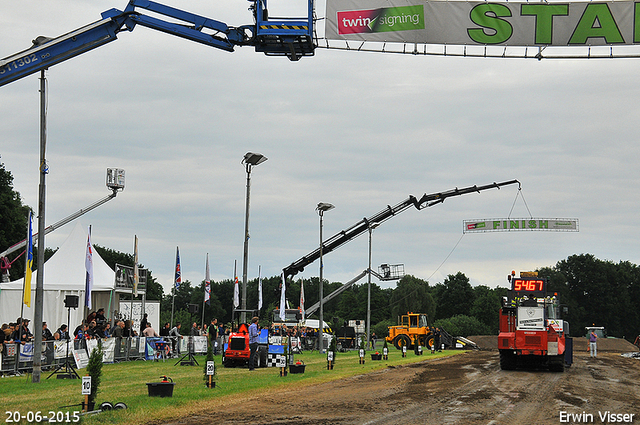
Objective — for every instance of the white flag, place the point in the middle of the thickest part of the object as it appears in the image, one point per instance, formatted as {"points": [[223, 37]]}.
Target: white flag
{"points": [[207, 283], [302, 298], [88, 265], [236, 289], [259, 288], [282, 299]]}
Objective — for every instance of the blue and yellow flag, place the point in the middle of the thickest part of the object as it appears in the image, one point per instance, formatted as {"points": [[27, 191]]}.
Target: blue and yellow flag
{"points": [[29, 267]]}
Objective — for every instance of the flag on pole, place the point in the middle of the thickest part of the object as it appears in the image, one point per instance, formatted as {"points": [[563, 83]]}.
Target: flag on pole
{"points": [[302, 298], [29, 267], [259, 288], [236, 289], [207, 283], [88, 265], [178, 279], [282, 299], [135, 265]]}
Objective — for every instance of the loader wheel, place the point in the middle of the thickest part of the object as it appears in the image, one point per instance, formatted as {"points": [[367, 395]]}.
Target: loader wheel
{"points": [[426, 342], [398, 342]]}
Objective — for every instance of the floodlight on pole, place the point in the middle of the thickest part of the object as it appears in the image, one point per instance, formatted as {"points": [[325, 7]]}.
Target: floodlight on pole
{"points": [[321, 208], [250, 160]]}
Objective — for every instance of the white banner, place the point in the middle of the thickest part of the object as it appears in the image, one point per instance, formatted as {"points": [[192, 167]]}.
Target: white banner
{"points": [[81, 357], [514, 224], [484, 23]]}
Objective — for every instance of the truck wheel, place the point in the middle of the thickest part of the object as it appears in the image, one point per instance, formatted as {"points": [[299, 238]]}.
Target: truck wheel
{"points": [[556, 363], [398, 342], [508, 360]]}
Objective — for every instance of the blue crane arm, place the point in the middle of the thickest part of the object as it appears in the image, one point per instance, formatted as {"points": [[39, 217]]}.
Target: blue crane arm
{"points": [[287, 39]]}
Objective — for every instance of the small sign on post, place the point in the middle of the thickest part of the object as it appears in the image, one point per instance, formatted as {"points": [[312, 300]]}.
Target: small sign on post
{"points": [[86, 391], [329, 360], [385, 353], [211, 370], [404, 351], [361, 356]]}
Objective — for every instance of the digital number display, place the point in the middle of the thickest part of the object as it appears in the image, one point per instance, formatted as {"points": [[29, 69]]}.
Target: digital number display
{"points": [[531, 285]]}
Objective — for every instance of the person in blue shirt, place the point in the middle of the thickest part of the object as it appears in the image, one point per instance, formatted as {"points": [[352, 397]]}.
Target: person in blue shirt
{"points": [[253, 342]]}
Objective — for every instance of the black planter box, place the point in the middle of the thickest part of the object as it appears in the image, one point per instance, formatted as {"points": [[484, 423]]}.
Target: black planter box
{"points": [[375, 356], [296, 368], [160, 389]]}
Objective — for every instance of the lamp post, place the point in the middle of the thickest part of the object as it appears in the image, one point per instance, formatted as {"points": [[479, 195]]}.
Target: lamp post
{"points": [[321, 208], [250, 160], [371, 227]]}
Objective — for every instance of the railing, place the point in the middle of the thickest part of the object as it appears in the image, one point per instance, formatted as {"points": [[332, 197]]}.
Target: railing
{"points": [[17, 358]]}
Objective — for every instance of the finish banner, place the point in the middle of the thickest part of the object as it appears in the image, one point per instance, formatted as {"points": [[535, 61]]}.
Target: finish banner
{"points": [[484, 23], [512, 224]]}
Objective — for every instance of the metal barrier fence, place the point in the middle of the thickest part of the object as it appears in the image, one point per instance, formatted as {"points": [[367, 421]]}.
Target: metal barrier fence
{"points": [[17, 358]]}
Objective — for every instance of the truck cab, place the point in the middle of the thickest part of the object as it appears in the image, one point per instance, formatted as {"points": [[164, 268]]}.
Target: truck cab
{"points": [[531, 329]]}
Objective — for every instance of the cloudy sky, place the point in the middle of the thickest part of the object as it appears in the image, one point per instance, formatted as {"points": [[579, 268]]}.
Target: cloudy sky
{"points": [[358, 130]]}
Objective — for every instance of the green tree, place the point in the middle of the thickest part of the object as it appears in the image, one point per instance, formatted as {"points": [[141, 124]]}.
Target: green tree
{"points": [[454, 296], [462, 325], [13, 221], [485, 307], [412, 295]]}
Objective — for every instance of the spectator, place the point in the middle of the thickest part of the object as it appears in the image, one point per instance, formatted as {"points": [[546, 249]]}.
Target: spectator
{"points": [[213, 334], [194, 330], [143, 324], [149, 331], [174, 333], [46, 333], [165, 330], [63, 332], [118, 331], [107, 330]]}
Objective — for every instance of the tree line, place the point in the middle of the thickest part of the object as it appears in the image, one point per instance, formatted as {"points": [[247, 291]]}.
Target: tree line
{"points": [[595, 292]]}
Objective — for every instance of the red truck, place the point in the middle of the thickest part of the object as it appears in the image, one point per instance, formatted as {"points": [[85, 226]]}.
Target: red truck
{"points": [[531, 330]]}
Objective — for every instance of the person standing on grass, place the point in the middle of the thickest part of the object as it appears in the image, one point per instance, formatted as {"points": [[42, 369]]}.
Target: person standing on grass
{"points": [[253, 342]]}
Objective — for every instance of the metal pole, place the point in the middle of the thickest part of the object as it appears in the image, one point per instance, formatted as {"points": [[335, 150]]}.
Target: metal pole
{"points": [[321, 321], [37, 317], [369, 292], [245, 257]]}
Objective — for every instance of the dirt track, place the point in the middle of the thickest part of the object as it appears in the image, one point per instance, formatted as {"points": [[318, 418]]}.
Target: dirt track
{"points": [[465, 389]]}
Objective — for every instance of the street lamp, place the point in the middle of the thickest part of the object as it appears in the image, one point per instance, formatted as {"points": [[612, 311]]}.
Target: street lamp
{"points": [[250, 160], [321, 208], [371, 227]]}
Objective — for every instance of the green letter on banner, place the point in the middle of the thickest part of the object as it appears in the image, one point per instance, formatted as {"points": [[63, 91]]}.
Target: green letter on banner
{"points": [[636, 23], [596, 21], [488, 15], [544, 13]]}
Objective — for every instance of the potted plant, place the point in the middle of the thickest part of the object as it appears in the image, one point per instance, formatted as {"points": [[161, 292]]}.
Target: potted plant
{"points": [[331, 353], [94, 369], [385, 350]]}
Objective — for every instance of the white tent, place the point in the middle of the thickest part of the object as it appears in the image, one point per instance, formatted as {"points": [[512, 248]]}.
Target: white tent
{"points": [[64, 274]]}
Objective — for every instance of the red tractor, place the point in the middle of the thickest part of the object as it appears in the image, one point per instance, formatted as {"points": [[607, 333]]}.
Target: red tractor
{"points": [[531, 331], [236, 352]]}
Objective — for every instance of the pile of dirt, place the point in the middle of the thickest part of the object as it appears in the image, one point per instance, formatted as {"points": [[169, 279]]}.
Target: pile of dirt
{"points": [[615, 345]]}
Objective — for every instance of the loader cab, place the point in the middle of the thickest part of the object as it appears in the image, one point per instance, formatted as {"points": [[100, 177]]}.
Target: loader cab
{"points": [[412, 320]]}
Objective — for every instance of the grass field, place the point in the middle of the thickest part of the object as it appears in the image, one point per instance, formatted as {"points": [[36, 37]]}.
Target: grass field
{"points": [[126, 382]]}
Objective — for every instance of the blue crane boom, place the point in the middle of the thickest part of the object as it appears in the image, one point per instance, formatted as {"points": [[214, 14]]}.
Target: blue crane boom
{"points": [[290, 37]]}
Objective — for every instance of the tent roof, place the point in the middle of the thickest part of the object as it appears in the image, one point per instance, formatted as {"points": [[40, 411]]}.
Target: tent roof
{"points": [[65, 270]]}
